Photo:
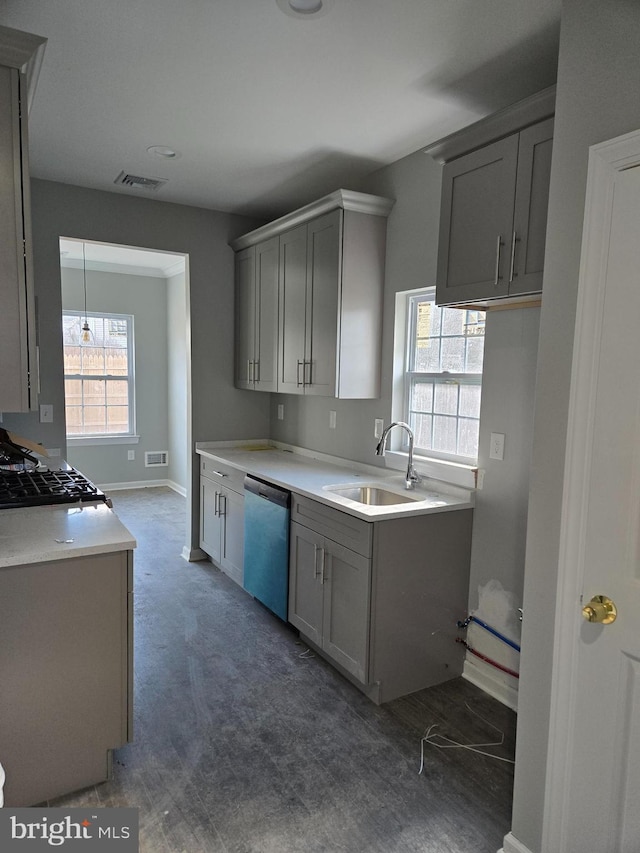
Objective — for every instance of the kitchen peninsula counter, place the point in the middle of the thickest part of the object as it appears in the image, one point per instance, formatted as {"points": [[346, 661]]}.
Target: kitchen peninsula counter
{"points": [[45, 533]]}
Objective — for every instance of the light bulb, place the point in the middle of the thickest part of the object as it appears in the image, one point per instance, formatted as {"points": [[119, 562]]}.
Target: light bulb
{"points": [[86, 333]]}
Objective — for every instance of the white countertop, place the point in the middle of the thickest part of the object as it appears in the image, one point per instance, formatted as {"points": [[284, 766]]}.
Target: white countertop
{"points": [[311, 475], [44, 533]]}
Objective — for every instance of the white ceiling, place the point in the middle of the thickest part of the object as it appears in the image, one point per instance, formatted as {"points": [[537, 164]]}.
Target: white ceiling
{"points": [[107, 257], [268, 112]]}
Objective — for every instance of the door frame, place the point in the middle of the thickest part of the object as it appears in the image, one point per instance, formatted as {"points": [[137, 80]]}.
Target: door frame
{"points": [[605, 161]]}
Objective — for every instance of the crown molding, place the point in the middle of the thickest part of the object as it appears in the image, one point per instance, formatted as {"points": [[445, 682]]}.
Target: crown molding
{"points": [[25, 52], [345, 199], [503, 123]]}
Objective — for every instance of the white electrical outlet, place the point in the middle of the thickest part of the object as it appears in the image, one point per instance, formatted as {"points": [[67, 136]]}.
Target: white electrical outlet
{"points": [[480, 479], [378, 427], [280, 412], [46, 414], [496, 446], [332, 420], [131, 455]]}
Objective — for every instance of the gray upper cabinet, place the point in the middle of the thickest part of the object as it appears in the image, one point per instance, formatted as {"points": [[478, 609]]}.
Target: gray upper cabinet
{"points": [[330, 272], [19, 55], [257, 316], [494, 208]]}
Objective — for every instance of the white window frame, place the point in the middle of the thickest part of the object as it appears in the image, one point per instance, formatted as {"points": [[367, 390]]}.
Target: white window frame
{"points": [[129, 436], [413, 377]]}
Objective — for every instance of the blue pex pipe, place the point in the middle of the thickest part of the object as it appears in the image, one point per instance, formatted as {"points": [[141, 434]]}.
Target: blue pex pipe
{"points": [[490, 630]]}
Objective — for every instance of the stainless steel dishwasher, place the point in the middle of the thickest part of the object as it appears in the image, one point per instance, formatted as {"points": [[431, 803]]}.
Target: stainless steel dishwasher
{"points": [[266, 544]]}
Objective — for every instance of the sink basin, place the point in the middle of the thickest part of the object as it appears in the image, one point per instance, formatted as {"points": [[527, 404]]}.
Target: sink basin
{"points": [[372, 495]]}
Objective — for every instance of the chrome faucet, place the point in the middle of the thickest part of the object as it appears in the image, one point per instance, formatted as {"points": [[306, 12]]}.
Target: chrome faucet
{"points": [[412, 475]]}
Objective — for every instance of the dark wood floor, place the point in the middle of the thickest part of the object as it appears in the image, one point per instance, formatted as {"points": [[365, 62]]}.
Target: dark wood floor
{"points": [[247, 743]]}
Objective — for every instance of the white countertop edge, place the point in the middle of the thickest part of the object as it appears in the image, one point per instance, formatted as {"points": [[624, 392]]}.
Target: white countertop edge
{"points": [[313, 482], [30, 534]]}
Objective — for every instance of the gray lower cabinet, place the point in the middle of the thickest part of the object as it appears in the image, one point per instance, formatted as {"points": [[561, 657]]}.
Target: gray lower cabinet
{"points": [[381, 600], [329, 597], [222, 517], [66, 669], [493, 219]]}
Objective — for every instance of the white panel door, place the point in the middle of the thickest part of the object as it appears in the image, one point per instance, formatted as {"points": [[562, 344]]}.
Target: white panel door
{"points": [[593, 794]]}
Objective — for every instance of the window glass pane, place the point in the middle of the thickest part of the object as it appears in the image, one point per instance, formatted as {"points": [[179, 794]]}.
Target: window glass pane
{"points": [[74, 420], [118, 393], [117, 419], [470, 400], [475, 353], [95, 419], [446, 399], [421, 425], [468, 436], [116, 362], [453, 322], [73, 392], [422, 397], [427, 356], [444, 434], [453, 355]]}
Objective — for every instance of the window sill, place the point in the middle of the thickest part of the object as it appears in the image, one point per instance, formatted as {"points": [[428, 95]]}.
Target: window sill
{"points": [[95, 440], [439, 469]]}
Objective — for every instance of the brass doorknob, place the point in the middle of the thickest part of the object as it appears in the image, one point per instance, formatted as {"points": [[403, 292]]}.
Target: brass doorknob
{"points": [[600, 609]]}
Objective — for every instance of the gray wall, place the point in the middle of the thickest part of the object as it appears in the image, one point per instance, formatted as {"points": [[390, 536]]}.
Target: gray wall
{"points": [[597, 99], [508, 390], [146, 299], [178, 372], [219, 411]]}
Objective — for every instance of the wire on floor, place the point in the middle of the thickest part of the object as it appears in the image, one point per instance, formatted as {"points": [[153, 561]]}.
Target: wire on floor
{"points": [[448, 743]]}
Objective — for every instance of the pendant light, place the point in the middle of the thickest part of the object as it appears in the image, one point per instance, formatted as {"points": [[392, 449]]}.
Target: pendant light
{"points": [[86, 331]]}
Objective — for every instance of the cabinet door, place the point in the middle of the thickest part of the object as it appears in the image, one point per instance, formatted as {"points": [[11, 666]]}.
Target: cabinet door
{"points": [[266, 297], [323, 287], [346, 585], [210, 530], [18, 379], [292, 296], [245, 311], [305, 588], [231, 509], [478, 192], [532, 201]]}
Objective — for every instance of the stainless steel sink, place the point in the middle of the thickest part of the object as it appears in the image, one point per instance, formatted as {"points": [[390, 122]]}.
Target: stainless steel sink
{"points": [[372, 495]]}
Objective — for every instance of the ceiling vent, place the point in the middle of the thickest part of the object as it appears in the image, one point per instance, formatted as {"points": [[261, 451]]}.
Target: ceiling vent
{"points": [[156, 458], [138, 182]]}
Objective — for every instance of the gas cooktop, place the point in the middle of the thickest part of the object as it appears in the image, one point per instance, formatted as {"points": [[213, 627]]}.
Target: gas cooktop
{"points": [[41, 488]]}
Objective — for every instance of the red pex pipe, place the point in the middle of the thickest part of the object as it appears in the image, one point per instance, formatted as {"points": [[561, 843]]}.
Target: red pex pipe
{"points": [[486, 659]]}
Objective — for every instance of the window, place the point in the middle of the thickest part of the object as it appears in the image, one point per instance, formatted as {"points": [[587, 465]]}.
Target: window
{"points": [[98, 375], [444, 378]]}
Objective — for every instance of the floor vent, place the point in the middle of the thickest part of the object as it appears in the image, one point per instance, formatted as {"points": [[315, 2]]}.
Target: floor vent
{"points": [[138, 182], [156, 458]]}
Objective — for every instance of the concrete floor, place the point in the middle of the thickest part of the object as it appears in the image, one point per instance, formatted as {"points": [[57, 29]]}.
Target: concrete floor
{"points": [[245, 742]]}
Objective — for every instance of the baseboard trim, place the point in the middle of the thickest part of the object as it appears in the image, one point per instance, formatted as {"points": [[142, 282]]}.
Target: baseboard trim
{"points": [[193, 555], [512, 845], [483, 677], [142, 484]]}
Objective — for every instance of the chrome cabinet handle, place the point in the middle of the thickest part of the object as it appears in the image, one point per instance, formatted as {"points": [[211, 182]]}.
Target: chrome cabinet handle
{"points": [[249, 370], [222, 507], [308, 381], [499, 246], [322, 553], [256, 371], [315, 561], [220, 474], [298, 382], [512, 273], [216, 503]]}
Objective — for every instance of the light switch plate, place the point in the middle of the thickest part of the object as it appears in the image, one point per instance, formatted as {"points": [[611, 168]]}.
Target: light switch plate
{"points": [[46, 413], [332, 420], [378, 427]]}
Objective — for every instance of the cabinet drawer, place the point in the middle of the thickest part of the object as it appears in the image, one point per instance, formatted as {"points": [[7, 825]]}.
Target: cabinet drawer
{"points": [[353, 533], [222, 473]]}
